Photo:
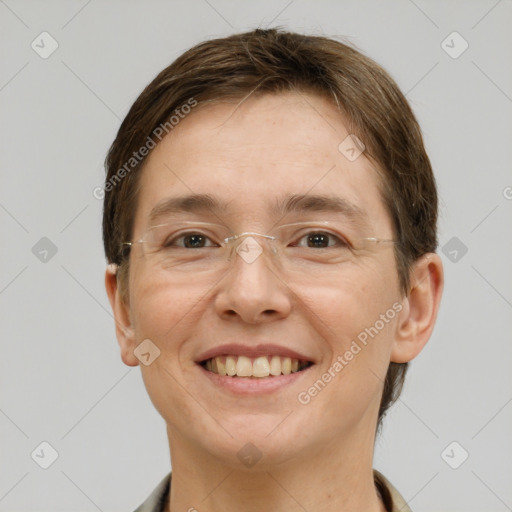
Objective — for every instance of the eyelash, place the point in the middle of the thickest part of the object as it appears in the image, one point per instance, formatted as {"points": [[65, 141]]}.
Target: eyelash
{"points": [[340, 240]]}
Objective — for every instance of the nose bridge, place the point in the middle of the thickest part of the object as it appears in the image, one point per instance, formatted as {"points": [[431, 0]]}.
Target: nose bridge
{"points": [[249, 246], [252, 291]]}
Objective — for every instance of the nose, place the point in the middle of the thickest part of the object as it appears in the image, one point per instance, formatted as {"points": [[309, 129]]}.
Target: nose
{"points": [[252, 290]]}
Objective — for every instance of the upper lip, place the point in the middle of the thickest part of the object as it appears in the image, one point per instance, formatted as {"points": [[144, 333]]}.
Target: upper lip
{"points": [[266, 349]]}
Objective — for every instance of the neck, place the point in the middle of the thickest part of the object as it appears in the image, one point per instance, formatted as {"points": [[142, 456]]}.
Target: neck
{"points": [[337, 476]]}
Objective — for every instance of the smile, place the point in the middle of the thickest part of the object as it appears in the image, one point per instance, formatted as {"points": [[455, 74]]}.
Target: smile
{"points": [[254, 367]]}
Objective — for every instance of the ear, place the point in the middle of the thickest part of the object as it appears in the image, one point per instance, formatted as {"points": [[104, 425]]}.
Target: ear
{"points": [[420, 306], [124, 330]]}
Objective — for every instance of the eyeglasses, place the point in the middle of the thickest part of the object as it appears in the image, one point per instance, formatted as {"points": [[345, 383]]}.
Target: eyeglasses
{"points": [[201, 247]]}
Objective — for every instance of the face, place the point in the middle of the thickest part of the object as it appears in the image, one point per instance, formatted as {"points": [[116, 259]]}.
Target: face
{"points": [[337, 318]]}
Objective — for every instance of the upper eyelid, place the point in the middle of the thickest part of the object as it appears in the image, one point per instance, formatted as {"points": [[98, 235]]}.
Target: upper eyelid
{"points": [[318, 226], [192, 224], [199, 225], [312, 224]]}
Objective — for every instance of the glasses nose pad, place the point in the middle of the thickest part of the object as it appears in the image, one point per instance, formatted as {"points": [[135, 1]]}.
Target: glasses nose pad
{"points": [[250, 246]]}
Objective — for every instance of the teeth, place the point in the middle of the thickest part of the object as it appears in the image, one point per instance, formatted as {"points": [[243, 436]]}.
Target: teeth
{"points": [[286, 366], [221, 367], [260, 367], [263, 366], [275, 365], [243, 367], [230, 366]]}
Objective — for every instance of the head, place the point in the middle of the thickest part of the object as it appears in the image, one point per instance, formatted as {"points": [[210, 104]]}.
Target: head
{"points": [[250, 120]]}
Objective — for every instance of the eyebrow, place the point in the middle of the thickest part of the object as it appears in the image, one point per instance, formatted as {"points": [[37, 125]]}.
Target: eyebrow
{"points": [[318, 203], [294, 203], [193, 203]]}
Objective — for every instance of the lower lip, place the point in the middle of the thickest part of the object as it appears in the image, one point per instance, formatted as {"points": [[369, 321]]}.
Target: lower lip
{"points": [[253, 385]]}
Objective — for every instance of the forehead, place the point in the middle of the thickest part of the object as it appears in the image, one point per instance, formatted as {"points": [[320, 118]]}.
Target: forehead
{"points": [[252, 157]]}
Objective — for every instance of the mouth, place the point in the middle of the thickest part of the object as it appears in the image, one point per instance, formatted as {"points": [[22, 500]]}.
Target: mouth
{"points": [[261, 367]]}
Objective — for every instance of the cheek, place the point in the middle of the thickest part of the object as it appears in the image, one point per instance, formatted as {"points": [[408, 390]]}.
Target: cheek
{"points": [[352, 299], [355, 319], [351, 383], [167, 316], [160, 310]]}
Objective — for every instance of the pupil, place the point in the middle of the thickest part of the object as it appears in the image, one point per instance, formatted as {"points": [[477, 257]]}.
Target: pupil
{"points": [[194, 241], [318, 239]]}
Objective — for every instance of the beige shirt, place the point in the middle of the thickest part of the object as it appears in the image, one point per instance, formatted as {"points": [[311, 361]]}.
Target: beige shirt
{"points": [[390, 496]]}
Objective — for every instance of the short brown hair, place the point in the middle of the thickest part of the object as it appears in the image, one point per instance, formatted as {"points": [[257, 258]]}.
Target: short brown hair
{"points": [[273, 61]]}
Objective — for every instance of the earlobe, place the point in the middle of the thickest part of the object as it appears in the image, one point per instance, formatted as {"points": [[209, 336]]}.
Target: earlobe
{"points": [[417, 318], [124, 330]]}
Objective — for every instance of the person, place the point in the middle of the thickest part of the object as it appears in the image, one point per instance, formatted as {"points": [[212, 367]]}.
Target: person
{"points": [[269, 223]]}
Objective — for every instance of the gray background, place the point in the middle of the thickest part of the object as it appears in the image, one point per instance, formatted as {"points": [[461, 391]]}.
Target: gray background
{"points": [[61, 377]]}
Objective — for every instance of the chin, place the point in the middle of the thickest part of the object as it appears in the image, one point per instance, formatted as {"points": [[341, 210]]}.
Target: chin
{"points": [[260, 442]]}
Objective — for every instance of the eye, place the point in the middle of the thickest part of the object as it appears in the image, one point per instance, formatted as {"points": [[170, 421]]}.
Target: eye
{"points": [[321, 240], [191, 240]]}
